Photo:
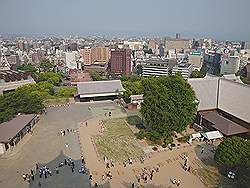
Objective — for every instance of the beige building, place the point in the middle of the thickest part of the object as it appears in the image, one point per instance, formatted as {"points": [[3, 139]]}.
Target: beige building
{"points": [[87, 60], [177, 44], [195, 60], [91, 55], [152, 44]]}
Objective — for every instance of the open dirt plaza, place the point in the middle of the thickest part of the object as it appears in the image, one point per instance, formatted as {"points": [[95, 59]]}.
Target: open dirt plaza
{"points": [[101, 139]]}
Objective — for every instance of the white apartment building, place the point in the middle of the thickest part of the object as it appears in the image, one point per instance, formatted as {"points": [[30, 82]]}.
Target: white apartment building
{"points": [[184, 69]]}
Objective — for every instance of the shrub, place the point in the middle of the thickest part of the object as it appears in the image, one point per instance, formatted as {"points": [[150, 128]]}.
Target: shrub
{"points": [[154, 148], [183, 139]]}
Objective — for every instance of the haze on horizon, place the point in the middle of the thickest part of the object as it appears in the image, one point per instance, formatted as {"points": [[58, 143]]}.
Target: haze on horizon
{"points": [[219, 19]]}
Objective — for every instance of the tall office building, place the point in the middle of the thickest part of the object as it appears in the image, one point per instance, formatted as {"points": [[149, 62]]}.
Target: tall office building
{"points": [[177, 35], [120, 61], [155, 67]]}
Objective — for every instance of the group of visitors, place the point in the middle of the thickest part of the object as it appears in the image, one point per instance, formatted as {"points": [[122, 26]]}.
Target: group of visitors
{"points": [[146, 175], [129, 161], [66, 131], [29, 176], [177, 183], [186, 167], [108, 114]]}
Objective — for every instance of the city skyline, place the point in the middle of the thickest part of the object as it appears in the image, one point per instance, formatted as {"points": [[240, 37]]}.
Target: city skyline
{"points": [[223, 20]]}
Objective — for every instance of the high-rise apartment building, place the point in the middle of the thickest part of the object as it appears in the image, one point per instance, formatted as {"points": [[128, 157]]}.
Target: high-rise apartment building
{"points": [[120, 61], [91, 55], [87, 60]]}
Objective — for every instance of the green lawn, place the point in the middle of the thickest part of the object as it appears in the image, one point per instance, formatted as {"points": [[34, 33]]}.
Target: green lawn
{"points": [[118, 141]]}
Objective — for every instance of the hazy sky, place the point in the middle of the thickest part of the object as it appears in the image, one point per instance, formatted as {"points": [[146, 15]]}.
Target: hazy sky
{"points": [[221, 19]]}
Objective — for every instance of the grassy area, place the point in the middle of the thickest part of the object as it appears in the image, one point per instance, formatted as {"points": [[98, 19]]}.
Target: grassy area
{"points": [[118, 141], [211, 177]]}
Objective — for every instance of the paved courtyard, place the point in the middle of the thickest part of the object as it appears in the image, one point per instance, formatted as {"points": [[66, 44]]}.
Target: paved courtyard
{"points": [[47, 147]]}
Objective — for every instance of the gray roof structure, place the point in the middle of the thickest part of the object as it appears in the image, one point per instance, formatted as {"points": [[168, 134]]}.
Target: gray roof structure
{"points": [[226, 95], [9, 129], [97, 87], [206, 90], [224, 125]]}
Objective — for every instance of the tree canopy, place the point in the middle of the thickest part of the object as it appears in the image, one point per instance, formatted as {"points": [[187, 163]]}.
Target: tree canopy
{"points": [[95, 76], [27, 68], [232, 152], [51, 77], [23, 100], [132, 85], [66, 92], [169, 104], [45, 65]]}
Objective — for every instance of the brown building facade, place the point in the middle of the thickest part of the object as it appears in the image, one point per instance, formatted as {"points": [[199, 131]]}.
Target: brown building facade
{"points": [[91, 55], [120, 61]]}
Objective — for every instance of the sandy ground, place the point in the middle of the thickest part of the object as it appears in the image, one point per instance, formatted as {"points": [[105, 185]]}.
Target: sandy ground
{"points": [[169, 162]]}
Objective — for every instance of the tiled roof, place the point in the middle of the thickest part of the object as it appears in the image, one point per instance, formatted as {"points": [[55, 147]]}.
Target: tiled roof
{"points": [[96, 87], [10, 129]]}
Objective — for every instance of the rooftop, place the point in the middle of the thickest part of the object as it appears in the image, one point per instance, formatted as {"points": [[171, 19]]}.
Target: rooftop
{"points": [[94, 87], [9, 129], [226, 126]]}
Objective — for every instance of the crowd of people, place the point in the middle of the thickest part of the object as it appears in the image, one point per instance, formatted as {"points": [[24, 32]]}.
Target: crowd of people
{"points": [[66, 131]]}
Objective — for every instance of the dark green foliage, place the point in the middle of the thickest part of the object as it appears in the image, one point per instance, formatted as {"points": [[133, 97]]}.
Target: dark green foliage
{"points": [[23, 100], [45, 65], [132, 85], [197, 74], [95, 76], [169, 104], [134, 120], [139, 69], [27, 68], [200, 74], [183, 139], [243, 174], [232, 152], [141, 134], [245, 80], [66, 92], [51, 77]]}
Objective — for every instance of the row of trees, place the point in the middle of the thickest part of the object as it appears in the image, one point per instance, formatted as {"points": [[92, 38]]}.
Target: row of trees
{"points": [[234, 154], [30, 98]]}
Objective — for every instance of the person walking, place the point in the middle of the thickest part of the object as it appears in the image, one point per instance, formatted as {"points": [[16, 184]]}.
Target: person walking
{"points": [[202, 150], [178, 183]]}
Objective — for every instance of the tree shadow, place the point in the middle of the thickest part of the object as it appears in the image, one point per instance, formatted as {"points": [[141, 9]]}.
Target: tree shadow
{"points": [[207, 155]]}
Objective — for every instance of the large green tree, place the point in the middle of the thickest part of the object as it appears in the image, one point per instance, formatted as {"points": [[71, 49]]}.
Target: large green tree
{"points": [[232, 152], [45, 65], [51, 77], [169, 104], [95, 76], [27, 68]]}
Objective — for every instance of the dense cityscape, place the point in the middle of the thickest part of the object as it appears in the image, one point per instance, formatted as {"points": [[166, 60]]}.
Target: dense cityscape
{"points": [[123, 112]]}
